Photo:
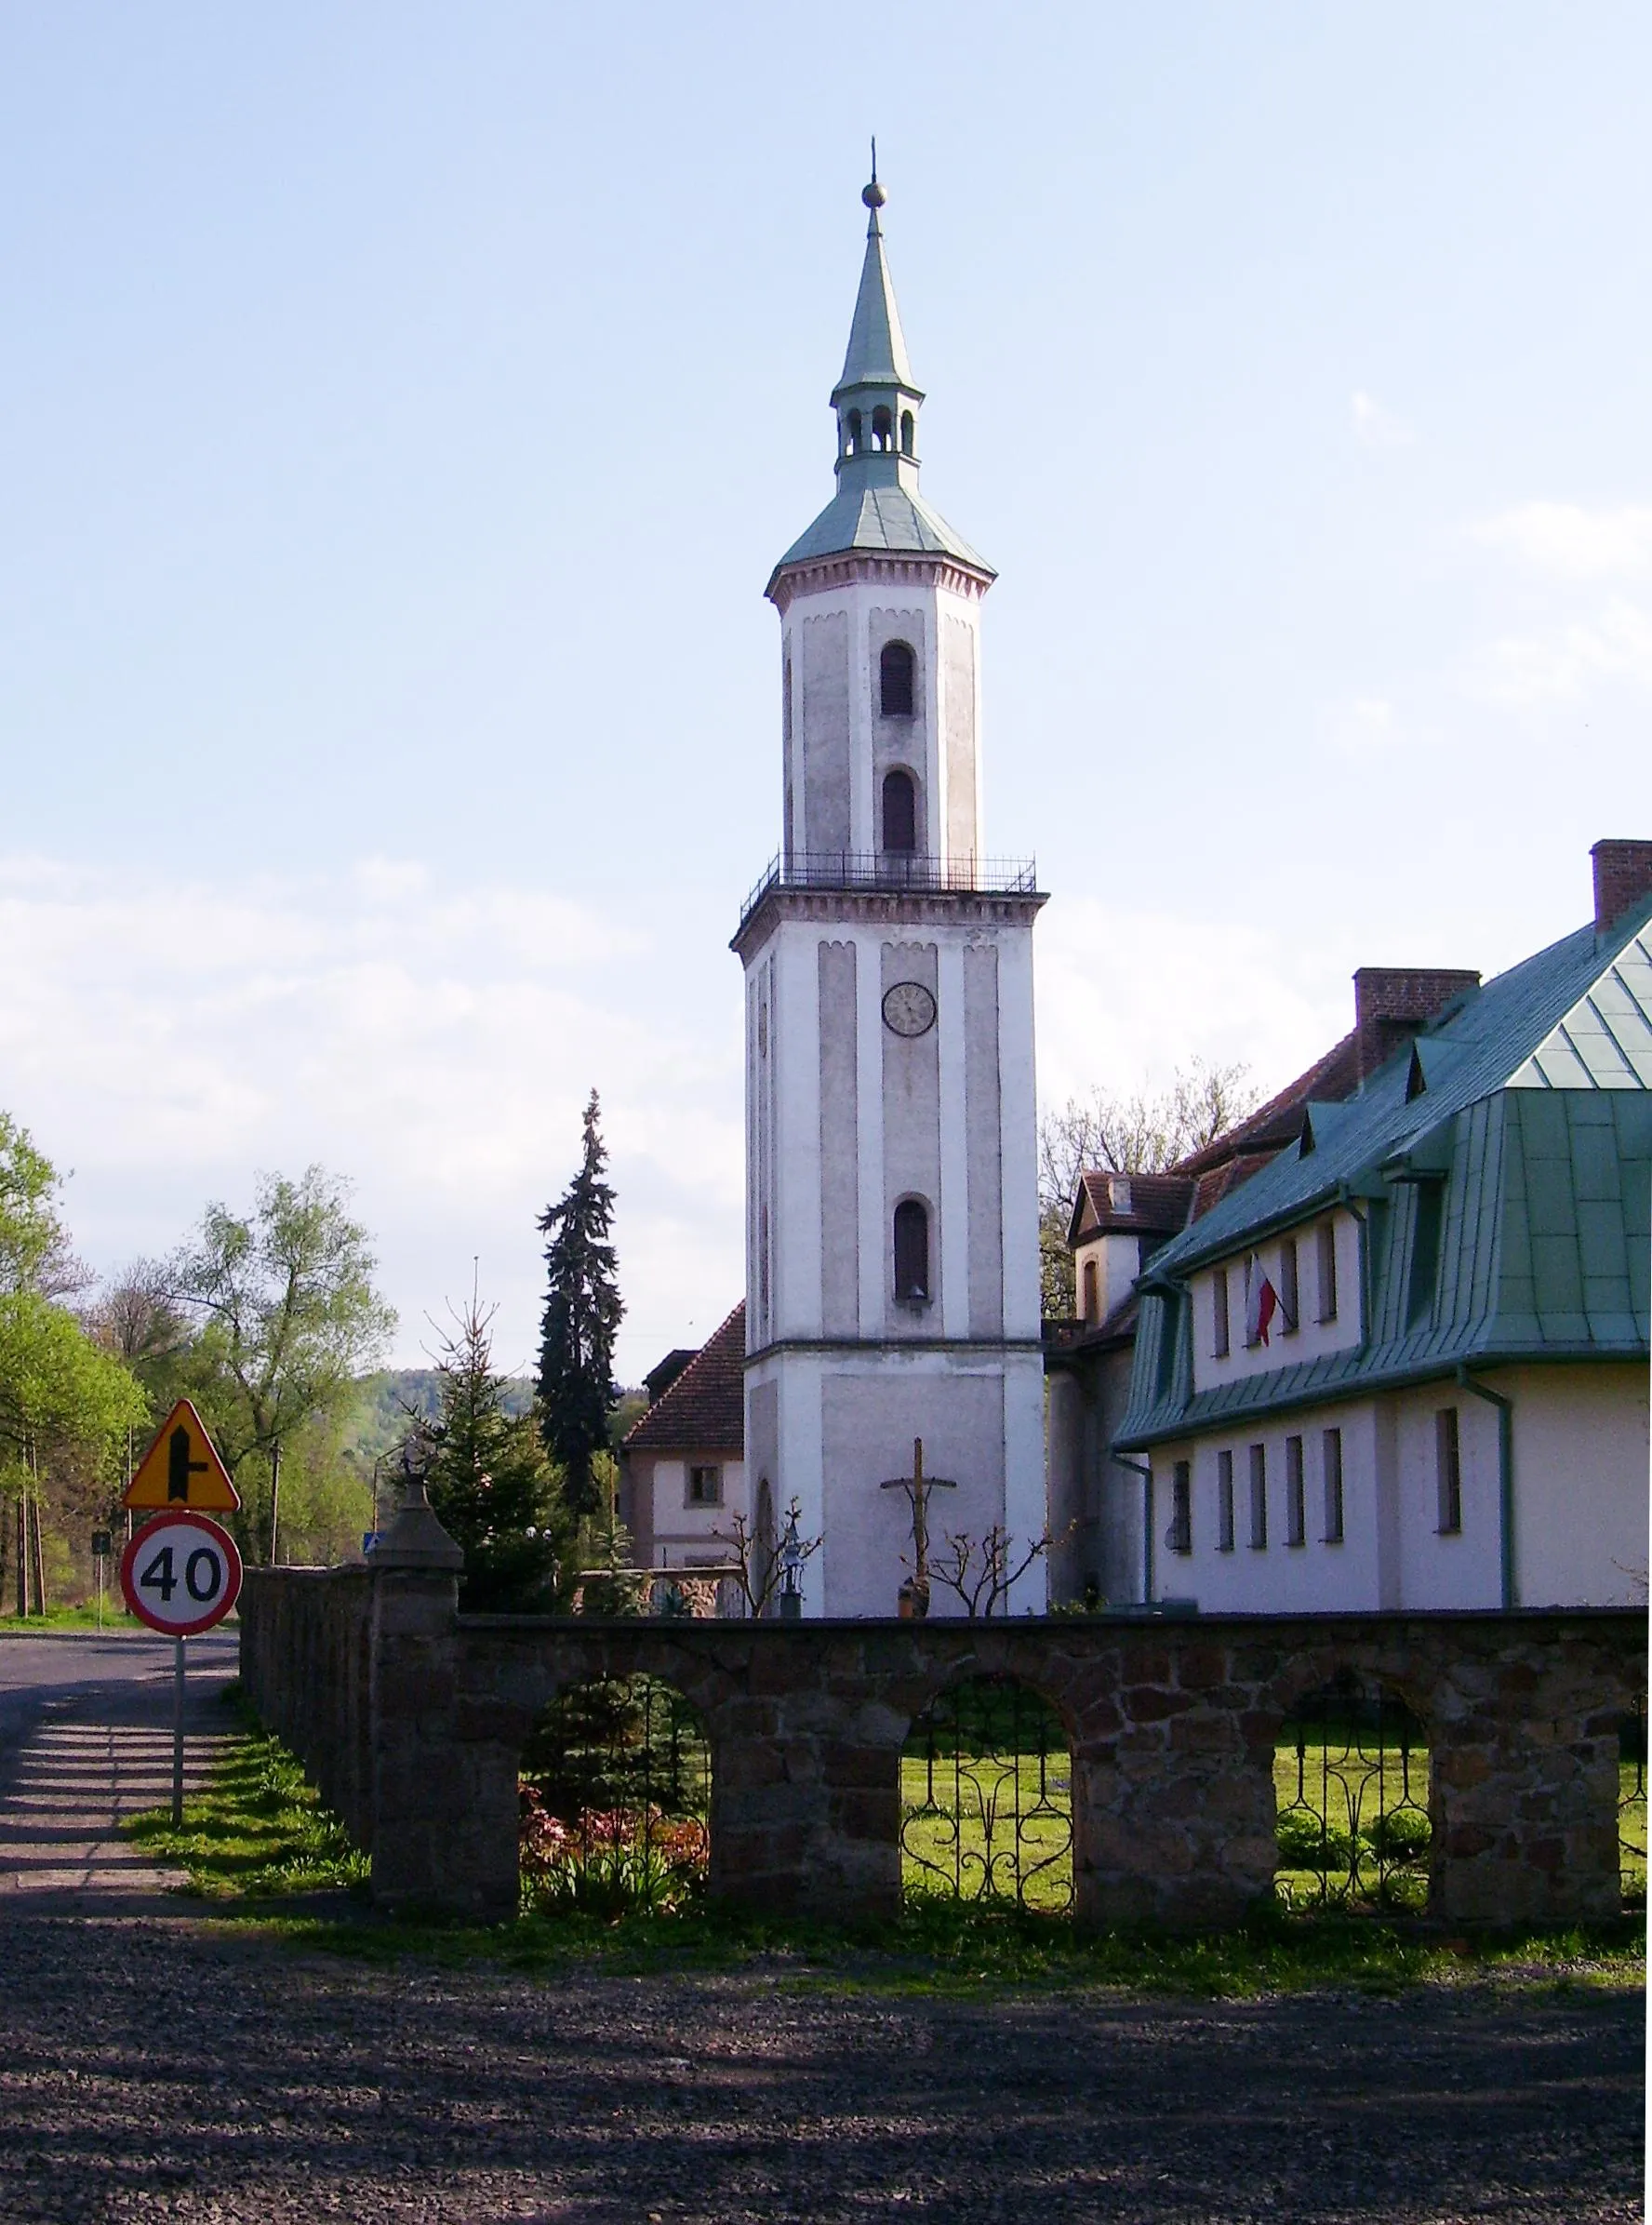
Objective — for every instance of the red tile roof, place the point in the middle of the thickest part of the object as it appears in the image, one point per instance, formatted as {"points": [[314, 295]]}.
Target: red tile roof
{"points": [[1158, 1205], [704, 1410]]}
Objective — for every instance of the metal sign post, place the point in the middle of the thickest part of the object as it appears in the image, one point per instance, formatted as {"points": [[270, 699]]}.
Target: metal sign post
{"points": [[178, 1646]]}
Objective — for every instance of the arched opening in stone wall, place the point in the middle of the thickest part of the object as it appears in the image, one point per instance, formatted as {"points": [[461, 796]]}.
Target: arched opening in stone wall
{"points": [[1632, 1807], [986, 1799], [616, 1801], [1352, 1784]]}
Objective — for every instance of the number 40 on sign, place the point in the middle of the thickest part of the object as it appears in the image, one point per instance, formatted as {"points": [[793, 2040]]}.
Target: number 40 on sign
{"points": [[180, 1574]]}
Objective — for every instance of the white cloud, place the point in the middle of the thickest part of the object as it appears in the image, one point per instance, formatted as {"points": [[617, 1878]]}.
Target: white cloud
{"points": [[1567, 661], [1573, 541], [436, 1043], [1126, 997], [1376, 427], [1362, 729]]}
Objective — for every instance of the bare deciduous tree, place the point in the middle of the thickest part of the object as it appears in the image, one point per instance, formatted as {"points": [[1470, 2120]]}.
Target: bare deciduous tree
{"points": [[759, 1568], [982, 1571]]}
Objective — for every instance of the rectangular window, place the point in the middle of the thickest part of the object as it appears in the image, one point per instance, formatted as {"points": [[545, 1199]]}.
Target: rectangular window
{"points": [[1180, 1537], [1332, 1444], [1224, 1502], [1218, 1300], [1254, 1277], [705, 1486], [1288, 1282], [1258, 1497], [1327, 1271], [1295, 1520], [1448, 1472]]}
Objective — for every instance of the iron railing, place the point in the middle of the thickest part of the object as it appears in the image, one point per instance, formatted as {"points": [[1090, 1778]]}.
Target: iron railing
{"points": [[894, 871], [1351, 1777], [986, 1799], [1632, 1807], [616, 1786]]}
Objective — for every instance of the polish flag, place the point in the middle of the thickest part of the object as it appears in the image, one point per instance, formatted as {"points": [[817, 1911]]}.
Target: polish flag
{"points": [[1262, 1304]]}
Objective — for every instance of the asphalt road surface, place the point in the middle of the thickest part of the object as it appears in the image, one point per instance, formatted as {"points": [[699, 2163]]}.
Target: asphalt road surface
{"points": [[153, 2065]]}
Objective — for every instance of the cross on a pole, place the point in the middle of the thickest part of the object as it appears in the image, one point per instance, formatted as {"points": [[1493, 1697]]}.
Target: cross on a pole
{"points": [[917, 1487], [180, 1466]]}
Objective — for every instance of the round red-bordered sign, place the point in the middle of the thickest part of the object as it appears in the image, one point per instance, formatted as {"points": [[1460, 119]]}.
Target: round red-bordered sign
{"points": [[180, 1574]]}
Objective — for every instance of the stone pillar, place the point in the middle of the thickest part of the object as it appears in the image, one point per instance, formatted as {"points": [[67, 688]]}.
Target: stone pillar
{"points": [[1172, 1784], [806, 1793], [444, 1832], [1524, 1785]]}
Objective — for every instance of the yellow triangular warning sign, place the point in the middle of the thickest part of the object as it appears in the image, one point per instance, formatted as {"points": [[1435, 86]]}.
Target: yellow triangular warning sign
{"points": [[181, 1468]]}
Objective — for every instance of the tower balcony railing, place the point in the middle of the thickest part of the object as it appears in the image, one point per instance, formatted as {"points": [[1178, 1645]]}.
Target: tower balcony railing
{"points": [[897, 870]]}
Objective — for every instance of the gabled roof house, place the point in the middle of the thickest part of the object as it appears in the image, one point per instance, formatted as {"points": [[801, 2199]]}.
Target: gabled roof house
{"points": [[1401, 1361]]}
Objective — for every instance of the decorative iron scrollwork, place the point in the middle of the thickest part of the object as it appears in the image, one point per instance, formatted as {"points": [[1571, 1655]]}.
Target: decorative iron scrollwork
{"points": [[986, 1783], [1351, 1775]]}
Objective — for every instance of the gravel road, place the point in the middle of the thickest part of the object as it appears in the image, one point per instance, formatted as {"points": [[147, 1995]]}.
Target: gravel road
{"points": [[154, 2068], [153, 2065]]}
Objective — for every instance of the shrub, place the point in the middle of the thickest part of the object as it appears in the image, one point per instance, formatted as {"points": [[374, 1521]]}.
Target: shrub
{"points": [[1400, 1836]]}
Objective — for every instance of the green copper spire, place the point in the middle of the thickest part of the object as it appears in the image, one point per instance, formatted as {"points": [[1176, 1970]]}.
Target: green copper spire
{"points": [[877, 346], [878, 506]]}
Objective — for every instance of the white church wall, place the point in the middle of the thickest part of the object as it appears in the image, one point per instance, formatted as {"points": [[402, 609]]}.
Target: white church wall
{"points": [[1580, 1482], [1310, 1339]]}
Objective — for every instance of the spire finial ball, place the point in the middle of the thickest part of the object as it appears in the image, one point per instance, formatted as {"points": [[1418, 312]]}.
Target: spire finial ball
{"points": [[873, 194]]}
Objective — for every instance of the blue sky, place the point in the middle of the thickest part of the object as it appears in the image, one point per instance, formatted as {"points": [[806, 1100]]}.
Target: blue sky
{"points": [[401, 410]]}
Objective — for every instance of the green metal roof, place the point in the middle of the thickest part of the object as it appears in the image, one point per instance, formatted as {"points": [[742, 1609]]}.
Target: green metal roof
{"points": [[1544, 1198], [876, 353], [884, 518]]}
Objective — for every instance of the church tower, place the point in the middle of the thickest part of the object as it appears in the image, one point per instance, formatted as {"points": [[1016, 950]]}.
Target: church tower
{"points": [[892, 1270]]}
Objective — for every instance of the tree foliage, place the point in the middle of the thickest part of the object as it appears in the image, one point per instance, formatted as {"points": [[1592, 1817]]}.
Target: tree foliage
{"points": [[1146, 1132], [34, 1250], [490, 1481], [289, 1313], [583, 1309]]}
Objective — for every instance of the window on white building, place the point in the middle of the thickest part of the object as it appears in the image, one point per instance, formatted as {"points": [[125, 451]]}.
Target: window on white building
{"points": [[900, 812], [705, 1486], [1258, 1497], [1448, 1472], [1331, 1446], [1289, 1285], [896, 668], [1092, 1301], [1295, 1519], [1327, 1271], [1179, 1536], [912, 1251], [1221, 1340], [1224, 1502]]}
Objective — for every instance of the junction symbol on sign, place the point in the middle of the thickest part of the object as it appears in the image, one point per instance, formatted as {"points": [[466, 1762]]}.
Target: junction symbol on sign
{"points": [[181, 1468]]}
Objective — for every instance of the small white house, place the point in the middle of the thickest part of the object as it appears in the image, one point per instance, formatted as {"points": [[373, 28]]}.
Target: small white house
{"points": [[1404, 1364]]}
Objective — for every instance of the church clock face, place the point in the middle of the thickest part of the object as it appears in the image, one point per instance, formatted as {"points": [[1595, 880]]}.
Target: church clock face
{"points": [[909, 1009]]}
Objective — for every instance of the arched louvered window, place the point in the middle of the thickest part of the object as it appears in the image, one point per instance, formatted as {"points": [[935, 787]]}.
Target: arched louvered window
{"points": [[907, 430], [895, 680], [1092, 1301], [900, 812], [883, 429], [853, 422], [911, 1250]]}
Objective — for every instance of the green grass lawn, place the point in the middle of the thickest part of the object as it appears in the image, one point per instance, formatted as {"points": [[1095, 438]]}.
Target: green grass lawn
{"points": [[83, 1617], [991, 1828]]}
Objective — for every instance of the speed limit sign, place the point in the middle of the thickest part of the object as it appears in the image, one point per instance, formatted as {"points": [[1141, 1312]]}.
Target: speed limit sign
{"points": [[180, 1574]]}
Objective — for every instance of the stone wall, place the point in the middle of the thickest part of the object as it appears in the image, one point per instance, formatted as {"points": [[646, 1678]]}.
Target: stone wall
{"points": [[411, 1718]]}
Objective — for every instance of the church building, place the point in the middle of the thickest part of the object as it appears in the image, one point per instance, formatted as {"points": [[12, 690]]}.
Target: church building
{"points": [[892, 1274]]}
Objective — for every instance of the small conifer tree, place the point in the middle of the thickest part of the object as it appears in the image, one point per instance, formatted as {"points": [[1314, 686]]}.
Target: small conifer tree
{"points": [[582, 1314], [490, 1481]]}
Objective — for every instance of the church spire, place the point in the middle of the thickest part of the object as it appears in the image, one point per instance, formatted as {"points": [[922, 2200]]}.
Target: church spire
{"points": [[877, 402]]}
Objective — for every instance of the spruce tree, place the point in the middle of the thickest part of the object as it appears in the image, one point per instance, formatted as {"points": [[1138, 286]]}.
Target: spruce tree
{"points": [[490, 1481], [577, 1393]]}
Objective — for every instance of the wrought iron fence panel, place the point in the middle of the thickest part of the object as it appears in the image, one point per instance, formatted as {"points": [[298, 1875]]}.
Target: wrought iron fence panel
{"points": [[1632, 1807], [1352, 1779], [986, 1784], [616, 1796]]}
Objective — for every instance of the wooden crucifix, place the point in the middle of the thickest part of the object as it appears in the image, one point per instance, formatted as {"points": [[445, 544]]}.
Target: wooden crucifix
{"points": [[917, 1487]]}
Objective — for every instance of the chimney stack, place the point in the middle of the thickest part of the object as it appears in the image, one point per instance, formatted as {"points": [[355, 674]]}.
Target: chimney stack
{"points": [[1393, 1002], [1622, 880]]}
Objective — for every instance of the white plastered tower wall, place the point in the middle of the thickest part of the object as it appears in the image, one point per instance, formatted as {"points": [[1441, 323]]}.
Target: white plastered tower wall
{"points": [[850, 1117]]}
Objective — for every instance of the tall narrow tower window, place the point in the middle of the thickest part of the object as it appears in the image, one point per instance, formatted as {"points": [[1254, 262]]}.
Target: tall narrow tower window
{"points": [[895, 680], [900, 812], [911, 1250], [907, 430], [853, 422], [883, 429]]}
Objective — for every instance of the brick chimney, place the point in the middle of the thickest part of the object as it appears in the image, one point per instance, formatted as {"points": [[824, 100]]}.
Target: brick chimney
{"points": [[1391, 1003], [1622, 880]]}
